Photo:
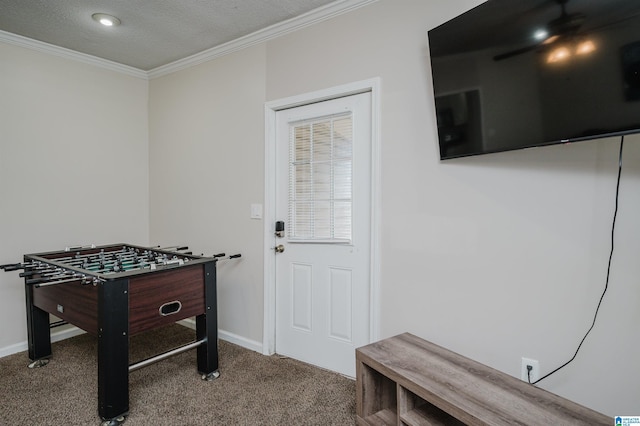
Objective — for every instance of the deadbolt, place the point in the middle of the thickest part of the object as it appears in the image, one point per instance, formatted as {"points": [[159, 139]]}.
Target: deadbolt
{"points": [[279, 248]]}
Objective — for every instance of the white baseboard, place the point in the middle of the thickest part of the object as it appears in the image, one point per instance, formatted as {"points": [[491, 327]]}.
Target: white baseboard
{"points": [[56, 336], [228, 337]]}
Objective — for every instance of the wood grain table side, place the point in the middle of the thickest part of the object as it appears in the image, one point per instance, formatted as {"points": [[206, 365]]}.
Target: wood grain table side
{"points": [[467, 390]]}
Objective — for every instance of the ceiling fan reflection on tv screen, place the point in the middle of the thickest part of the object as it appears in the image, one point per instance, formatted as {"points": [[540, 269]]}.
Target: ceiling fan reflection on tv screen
{"points": [[512, 74], [566, 26]]}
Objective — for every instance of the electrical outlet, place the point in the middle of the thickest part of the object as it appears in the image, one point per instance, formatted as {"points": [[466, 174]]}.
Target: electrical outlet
{"points": [[534, 374]]}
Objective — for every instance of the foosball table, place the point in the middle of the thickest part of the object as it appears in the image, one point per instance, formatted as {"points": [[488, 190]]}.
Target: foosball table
{"points": [[115, 292]]}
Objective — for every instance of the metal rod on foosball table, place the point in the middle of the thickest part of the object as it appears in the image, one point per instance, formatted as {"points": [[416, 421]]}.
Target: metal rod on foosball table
{"points": [[105, 263], [174, 248], [76, 248], [57, 282], [230, 257], [38, 280], [97, 259], [102, 252], [126, 266], [42, 271], [58, 323], [17, 266], [165, 355], [79, 256], [108, 266], [126, 262]]}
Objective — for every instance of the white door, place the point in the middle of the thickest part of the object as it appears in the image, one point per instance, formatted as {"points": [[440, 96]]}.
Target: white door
{"points": [[323, 195]]}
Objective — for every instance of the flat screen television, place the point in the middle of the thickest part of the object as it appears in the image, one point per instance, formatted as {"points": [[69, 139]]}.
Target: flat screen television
{"points": [[513, 74]]}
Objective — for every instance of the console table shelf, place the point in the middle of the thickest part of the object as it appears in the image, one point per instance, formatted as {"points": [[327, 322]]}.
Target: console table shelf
{"points": [[407, 381]]}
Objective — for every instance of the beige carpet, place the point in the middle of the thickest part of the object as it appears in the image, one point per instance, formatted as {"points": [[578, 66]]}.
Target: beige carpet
{"points": [[252, 389]]}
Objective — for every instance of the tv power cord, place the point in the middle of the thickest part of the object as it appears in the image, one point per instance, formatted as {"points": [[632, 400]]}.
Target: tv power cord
{"points": [[606, 285]]}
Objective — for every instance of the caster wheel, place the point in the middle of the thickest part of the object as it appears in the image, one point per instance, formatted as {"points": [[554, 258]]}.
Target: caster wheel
{"points": [[39, 363], [114, 422], [211, 376]]}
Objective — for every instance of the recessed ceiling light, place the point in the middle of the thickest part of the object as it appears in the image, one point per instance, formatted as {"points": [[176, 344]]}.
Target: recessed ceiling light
{"points": [[106, 20]]}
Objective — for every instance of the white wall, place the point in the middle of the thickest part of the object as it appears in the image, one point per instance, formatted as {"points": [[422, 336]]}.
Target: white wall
{"points": [[73, 164], [206, 169], [496, 257]]}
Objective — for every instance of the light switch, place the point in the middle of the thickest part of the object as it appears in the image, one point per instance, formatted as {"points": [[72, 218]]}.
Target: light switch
{"points": [[256, 211]]}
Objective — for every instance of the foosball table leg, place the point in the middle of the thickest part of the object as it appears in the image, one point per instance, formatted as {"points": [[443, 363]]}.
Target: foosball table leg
{"points": [[113, 351], [38, 331], [207, 327]]}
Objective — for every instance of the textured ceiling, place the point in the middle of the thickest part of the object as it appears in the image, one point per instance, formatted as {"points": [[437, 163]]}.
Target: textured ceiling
{"points": [[153, 32]]}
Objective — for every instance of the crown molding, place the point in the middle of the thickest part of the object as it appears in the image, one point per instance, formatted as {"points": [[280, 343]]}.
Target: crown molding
{"points": [[315, 16], [62, 52], [310, 18]]}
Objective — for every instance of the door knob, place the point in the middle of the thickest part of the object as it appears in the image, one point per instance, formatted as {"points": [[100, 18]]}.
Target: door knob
{"points": [[279, 248]]}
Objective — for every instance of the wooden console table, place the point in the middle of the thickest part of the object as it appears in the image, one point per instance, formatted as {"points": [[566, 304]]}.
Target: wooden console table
{"points": [[407, 381]]}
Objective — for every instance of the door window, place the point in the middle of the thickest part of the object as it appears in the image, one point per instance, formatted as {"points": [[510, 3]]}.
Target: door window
{"points": [[320, 180]]}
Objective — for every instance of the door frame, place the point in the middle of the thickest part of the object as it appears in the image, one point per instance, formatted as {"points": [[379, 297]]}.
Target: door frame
{"points": [[270, 110]]}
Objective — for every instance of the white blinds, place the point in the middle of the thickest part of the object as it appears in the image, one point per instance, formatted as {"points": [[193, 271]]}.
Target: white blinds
{"points": [[320, 179]]}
